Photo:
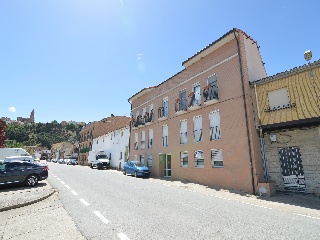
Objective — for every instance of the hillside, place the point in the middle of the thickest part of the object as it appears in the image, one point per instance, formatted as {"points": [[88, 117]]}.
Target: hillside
{"points": [[41, 134]]}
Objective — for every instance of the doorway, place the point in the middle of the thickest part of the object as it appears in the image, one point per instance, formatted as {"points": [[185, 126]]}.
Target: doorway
{"points": [[292, 169], [167, 166]]}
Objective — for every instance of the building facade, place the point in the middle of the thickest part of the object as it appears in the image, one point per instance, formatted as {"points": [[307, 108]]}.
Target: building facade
{"points": [[96, 129], [198, 125], [115, 144], [287, 110]]}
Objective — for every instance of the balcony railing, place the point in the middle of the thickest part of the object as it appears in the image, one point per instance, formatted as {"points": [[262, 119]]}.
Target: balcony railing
{"points": [[148, 118], [210, 94], [180, 106], [195, 101], [161, 114]]}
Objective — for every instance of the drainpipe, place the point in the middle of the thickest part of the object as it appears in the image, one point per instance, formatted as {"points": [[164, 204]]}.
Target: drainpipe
{"points": [[129, 130], [246, 116]]}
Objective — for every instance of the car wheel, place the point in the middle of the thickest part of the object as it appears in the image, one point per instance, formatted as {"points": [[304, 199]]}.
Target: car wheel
{"points": [[31, 180], [91, 165], [124, 172], [135, 174]]}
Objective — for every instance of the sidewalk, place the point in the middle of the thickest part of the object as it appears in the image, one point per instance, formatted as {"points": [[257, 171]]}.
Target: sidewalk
{"points": [[34, 213]]}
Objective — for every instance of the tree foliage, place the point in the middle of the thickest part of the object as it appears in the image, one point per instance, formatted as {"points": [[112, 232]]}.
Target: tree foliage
{"points": [[41, 134], [3, 136]]}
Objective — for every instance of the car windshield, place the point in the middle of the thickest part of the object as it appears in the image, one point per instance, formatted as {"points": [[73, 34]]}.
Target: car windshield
{"points": [[102, 156], [139, 164]]}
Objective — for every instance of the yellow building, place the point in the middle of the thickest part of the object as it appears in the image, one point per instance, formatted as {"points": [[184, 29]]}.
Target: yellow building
{"points": [[287, 115]]}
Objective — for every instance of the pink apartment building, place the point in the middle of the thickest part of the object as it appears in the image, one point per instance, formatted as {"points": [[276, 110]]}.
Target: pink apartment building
{"points": [[198, 125]]}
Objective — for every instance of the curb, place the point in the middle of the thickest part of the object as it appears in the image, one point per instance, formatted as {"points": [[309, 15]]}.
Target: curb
{"points": [[28, 203]]}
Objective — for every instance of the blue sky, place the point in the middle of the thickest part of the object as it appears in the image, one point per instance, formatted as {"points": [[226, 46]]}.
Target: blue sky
{"points": [[81, 60]]}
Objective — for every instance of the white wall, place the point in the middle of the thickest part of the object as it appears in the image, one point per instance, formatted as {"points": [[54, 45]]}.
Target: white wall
{"points": [[256, 69], [114, 142]]}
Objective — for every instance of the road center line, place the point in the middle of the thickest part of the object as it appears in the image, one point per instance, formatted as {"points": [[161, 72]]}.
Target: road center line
{"points": [[84, 202], [74, 193], [67, 187], [62, 182], [122, 236], [58, 179], [101, 217]]}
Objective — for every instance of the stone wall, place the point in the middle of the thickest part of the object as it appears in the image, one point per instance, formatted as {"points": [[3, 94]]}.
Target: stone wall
{"points": [[308, 140]]}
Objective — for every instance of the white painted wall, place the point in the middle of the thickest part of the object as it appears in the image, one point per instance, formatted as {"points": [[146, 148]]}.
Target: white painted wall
{"points": [[256, 69], [114, 143]]}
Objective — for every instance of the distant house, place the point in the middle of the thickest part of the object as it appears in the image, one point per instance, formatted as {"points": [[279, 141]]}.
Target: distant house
{"points": [[115, 144], [287, 111], [198, 125], [96, 129]]}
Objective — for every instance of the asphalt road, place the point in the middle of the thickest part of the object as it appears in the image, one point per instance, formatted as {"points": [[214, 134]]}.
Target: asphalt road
{"points": [[105, 204]]}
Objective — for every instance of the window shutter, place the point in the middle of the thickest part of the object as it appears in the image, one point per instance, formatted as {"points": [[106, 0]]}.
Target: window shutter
{"points": [[197, 128], [183, 132], [215, 132], [278, 99]]}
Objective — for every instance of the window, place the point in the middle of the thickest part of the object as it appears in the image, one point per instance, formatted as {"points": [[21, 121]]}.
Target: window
{"points": [[211, 90], [183, 132], [165, 107], [136, 138], [198, 158], [181, 103], [151, 113], [197, 126], [150, 138], [278, 99], [137, 114], [143, 140], [144, 110], [216, 158], [165, 135], [215, 131], [149, 163], [135, 157], [120, 156], [195, 96], [184, 159], [142, 159]]}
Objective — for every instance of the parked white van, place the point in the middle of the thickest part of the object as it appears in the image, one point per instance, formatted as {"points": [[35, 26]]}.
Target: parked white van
{"points": [[8, 152]]}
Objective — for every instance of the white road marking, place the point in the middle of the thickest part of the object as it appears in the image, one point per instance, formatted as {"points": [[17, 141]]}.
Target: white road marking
{"points": [[55, 176], [58, 179], [74, 193], [62, 182], [122, 236], [84, 202], [101, 217], [67, 187]]}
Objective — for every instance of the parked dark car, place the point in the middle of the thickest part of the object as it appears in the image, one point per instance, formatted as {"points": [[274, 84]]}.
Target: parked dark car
{"points": [[22, 172], [136, 168], [72, 162]]}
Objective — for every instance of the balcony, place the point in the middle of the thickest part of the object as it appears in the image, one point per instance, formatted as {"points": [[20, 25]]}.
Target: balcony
{"points": [[210, 94], [180, 106], [134, 123], [195, 101], [140, 122], [148, 118], [161, 114]]}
